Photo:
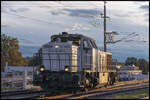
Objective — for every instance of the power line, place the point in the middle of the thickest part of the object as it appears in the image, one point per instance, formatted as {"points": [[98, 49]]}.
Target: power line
{"points": [[108, 35], [66, 6], [35, 19]]}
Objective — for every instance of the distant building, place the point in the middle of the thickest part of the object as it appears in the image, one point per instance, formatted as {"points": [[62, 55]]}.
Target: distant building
{"points": [[126, 73]]}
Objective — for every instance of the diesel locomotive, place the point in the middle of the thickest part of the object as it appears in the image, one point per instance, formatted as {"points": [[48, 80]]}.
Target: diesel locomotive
{"points": [[74, 61]]}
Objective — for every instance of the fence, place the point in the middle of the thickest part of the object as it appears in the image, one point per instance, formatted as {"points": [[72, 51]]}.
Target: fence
{"points": [[14, 81]]}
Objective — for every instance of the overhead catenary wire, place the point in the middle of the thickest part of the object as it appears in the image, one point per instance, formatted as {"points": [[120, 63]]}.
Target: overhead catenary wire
{"points": [[90, 15], [95, 25], [35, 19], [66, 6], [31, 18], [61, 5]]}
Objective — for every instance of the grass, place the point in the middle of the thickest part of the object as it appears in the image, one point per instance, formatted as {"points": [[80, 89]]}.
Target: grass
{"points": [[134, 95]]}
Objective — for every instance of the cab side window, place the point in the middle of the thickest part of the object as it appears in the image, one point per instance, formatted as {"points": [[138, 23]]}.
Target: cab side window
{"points": [[85, 44]]}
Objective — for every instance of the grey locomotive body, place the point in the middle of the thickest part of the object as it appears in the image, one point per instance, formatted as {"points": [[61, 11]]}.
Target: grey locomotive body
{"points": [[74, 61]]}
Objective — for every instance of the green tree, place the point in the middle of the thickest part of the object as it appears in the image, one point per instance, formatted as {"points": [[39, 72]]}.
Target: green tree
{"points": [[10, 52], [143, 65], [131, 61], [36, 59]]}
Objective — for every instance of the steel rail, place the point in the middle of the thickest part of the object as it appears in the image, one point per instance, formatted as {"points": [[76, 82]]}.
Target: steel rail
{"points": [[26, 94], [5, 93], [110, 92], [104, 89], [22, 94]]}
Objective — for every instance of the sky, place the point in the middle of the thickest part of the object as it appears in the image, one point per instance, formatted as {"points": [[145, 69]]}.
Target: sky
{"points": [[33, 23]]}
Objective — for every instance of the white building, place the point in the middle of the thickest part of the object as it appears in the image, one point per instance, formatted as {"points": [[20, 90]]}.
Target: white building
{"points": [[126, 73]]}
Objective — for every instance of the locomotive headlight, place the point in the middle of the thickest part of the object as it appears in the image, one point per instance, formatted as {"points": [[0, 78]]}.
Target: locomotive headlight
{"points": [[56, 46], [42, 68], [66, 68]]}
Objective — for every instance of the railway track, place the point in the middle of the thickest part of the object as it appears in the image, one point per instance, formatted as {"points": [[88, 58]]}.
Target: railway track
{"points": [[127, 86], [39, 94], [7, 93], [22, 94], [108, 92]]}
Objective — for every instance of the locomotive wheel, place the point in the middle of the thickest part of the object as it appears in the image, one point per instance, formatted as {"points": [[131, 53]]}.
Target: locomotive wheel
{"points": [[75, 91], [87, 83], [106, 84], [91, 85], [111, 79], [86, 89]]}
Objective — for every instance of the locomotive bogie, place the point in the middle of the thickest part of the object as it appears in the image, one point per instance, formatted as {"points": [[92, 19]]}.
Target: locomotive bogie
{"points": [[103, 77]]}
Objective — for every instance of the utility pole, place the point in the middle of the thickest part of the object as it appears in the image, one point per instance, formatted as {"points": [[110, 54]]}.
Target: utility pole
{"points": [[105, 44], [108, 36]]}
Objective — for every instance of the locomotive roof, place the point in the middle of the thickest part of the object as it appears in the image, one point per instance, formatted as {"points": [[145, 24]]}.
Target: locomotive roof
{"points": [[65, 34]]}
